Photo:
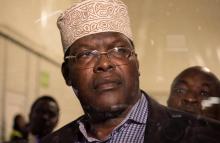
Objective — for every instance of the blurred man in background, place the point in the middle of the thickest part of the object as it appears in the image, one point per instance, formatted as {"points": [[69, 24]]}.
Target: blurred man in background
{"points": [[196, 90], [19, 131], [43, 118]]}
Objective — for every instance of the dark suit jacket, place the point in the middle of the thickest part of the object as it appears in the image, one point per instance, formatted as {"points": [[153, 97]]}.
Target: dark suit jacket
{"points": [[164, 125]]}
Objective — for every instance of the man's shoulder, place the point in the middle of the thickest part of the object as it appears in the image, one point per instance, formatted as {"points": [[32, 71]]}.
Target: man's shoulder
{"points": [[64, 134], [185, 127], [161, 113], [170, 125], [173, 116]]}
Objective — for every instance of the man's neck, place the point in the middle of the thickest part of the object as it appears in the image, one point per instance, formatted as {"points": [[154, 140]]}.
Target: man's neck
{"points": [[102, 129]]}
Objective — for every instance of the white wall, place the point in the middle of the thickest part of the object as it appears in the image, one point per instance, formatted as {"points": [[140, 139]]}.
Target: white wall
{"points": [[172, 35], [15, 81], [40, 52], [2, 84]]}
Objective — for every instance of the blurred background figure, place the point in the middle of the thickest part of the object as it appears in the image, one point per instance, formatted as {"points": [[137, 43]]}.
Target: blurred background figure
{"points": [[196, 90], [43, 118], [19, 132]]}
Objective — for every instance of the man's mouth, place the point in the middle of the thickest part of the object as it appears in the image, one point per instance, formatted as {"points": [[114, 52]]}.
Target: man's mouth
{"points": [[106, 84], [190, 109]]}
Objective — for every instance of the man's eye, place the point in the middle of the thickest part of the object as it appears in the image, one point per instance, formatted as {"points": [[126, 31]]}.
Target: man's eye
{"points": [[39, 111], [204, 93], [52, 114], [180, 91], [120, 51], [85, 54]]}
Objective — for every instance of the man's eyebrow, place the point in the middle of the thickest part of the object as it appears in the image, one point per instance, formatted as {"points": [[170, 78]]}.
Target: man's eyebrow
{"points": [[207, 84], [83, 46], [118, 40], [121, 41], [179, 82], [80, 45]]}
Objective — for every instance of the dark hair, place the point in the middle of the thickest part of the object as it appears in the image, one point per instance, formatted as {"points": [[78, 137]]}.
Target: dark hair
{"points": [[44, 97], [15, 124]]}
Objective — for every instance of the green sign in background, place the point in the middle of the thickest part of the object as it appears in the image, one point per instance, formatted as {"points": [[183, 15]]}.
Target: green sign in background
{"points": [[44, 79]]}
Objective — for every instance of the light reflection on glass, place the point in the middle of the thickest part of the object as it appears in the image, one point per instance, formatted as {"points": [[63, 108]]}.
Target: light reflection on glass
{"points": [[210, 102], [199, 27], [218, 54], [199, 60], [45, 16]]}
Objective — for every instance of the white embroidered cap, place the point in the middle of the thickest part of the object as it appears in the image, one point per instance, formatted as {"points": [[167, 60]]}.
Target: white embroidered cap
{"points": [[93, 16]]}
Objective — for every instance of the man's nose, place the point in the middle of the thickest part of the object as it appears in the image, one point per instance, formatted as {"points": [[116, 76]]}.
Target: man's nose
{"points": [[46, 116], [190, 98], [103, 64]]}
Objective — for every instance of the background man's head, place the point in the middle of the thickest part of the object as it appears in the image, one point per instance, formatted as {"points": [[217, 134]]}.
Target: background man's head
{"points": [[100, 62], [43, 115], [196, 90], [19, 122]]}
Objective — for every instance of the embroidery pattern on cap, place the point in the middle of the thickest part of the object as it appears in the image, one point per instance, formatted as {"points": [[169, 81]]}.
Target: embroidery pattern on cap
{"points": [[93, 16]]}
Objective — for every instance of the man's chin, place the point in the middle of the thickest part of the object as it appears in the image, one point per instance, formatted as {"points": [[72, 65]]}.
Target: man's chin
{"points": [[102, 114], [191, 110]]}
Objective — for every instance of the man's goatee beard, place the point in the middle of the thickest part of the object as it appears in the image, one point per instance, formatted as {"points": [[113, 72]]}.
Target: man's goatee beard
{"points": [[96, 115]]}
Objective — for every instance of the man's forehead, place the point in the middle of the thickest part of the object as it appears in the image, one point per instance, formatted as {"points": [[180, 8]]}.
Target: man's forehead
{"points": [[203, 75], [195, 80], [103, 35], [45, 103], [106, 37]]}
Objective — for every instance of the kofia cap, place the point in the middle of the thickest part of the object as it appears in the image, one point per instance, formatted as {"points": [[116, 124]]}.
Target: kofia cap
{"points": [[93, 16]]}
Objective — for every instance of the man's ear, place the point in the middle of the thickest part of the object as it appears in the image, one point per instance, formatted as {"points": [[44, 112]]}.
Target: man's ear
{"points": [[66, 74], [137, 64]]}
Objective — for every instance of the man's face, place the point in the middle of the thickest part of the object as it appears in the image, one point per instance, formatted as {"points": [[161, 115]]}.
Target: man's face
{"points": [[21, 122], [44, 117], [193, 88], [104, 84]]}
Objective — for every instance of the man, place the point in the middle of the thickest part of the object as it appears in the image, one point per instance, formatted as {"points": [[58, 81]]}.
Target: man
{"points": [[43, 118], [102, 68], [196, 90], [19, 131]]}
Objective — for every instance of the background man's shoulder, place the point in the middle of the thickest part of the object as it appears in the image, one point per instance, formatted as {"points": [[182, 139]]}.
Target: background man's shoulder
{"points": [[169, 125], [64, 134], [184, 127]]}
